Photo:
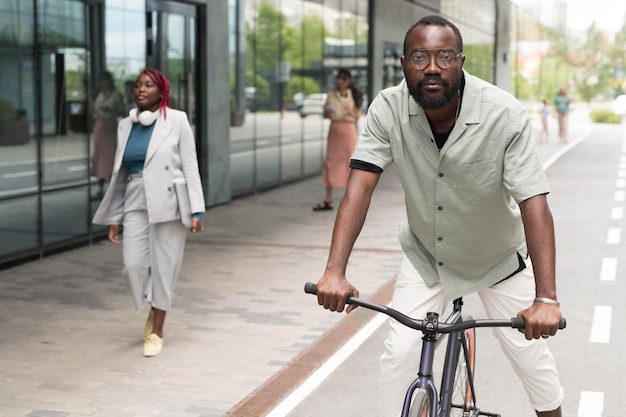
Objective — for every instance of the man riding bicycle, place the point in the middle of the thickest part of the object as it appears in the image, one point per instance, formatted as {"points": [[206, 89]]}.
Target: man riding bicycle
{"points": [[477, 214]]}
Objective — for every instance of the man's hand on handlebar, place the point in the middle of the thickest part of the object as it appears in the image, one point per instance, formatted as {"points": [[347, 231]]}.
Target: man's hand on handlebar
{"points": [[542, 320], [333, 292]]}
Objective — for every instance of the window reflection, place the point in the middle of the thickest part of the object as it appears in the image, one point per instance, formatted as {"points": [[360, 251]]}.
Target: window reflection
{"points": [[279, 49]]}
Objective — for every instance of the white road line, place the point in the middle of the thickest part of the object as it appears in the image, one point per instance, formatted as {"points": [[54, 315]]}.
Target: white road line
{"points": [[20, 174], [313, 381], [619, 195], [601, 325], [620, 183], [617, 213], [567, 147], [608, 270], [614, 236], [591, 404]]}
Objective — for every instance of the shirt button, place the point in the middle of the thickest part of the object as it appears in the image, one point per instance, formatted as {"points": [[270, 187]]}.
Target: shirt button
{"points": [[439, 208], [440, 263], [441, 174], [440, 238]]}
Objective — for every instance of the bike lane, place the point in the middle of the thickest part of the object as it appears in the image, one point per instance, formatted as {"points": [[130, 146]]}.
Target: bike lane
{"points": [[585, 177]]}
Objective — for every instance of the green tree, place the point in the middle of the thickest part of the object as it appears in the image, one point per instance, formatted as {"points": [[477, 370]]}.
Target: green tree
{"points": [[266, 46], [591, 65], [306, 48], [617, 55]]}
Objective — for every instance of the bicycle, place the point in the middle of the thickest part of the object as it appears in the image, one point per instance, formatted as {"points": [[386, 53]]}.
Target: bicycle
{"points": [[457, 395]]}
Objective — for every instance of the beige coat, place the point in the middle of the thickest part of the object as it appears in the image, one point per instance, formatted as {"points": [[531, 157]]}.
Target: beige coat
{"points": [[171, 155]]}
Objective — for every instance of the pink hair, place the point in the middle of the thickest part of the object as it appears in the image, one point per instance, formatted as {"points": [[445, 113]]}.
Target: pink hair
{"points": [[160, 80]]}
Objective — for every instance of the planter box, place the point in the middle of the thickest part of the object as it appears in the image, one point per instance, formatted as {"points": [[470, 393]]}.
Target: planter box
{"points": [[14, 133], [237, 118]]}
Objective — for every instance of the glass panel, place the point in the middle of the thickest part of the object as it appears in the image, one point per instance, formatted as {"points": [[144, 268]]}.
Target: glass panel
{"points": [[18, 149], [125, 42], [18, 225], [267, 70], [175, 56], [242, 96], [476, 21], [61, 22], [293, 92], [312, 73], [64, 215], [65, 109], [65, 146]]}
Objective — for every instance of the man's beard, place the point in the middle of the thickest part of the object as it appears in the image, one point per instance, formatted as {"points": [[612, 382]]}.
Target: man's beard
{"points": [[429, 102]]}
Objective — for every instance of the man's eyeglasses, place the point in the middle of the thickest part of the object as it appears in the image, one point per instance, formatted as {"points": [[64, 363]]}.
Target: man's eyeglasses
{"points": [[444, 58]]}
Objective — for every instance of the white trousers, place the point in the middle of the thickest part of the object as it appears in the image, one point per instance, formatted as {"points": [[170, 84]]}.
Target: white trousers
{"points": [[152, 252], [531, 360]]}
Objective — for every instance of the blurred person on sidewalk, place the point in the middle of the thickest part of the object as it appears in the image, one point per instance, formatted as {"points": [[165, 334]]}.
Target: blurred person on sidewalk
{"points": [[562, 103], [156, 149], [107, 109], [343, 108], [478, 220]]}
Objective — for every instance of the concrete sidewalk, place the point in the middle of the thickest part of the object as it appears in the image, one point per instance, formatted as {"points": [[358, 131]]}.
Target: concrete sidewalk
{"points": [[71, 342]]}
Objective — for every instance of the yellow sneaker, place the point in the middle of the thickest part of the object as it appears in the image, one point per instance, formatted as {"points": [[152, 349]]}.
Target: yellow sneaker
{"points": [[147, 330], [153, 345]]}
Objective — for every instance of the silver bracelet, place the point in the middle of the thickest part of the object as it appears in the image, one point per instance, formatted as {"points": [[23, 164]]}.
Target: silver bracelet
{"points": [[547, 301]]}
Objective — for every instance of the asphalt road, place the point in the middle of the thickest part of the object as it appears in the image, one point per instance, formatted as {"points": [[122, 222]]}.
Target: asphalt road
{"points": [[588, 183]]}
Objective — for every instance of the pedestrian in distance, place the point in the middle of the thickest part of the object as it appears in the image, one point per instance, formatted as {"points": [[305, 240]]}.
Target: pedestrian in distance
{"points": [[562, 103], [343, 108], [298, 100], [478, 219], [155, 154], [107, 108]]}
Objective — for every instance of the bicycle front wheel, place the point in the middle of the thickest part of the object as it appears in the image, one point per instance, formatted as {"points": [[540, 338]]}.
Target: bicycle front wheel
{"points": [[462, 394], [420, 406]]}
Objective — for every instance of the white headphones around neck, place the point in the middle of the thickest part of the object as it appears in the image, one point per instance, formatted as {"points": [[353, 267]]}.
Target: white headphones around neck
{"points": [[146, 117]]}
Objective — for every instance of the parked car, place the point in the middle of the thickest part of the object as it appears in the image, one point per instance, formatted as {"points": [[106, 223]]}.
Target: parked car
{"points": [[619, 105], [313, 104]]}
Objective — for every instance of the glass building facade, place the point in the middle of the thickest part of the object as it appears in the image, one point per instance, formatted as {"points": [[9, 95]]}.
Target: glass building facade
{"points": [[234, 67]]}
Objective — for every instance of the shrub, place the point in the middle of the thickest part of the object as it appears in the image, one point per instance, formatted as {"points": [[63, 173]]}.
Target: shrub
{"points": [[605, 116], [8, 113]]}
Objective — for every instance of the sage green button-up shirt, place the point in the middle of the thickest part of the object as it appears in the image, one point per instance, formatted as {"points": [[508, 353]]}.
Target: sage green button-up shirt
{"points": [[464, 226]]}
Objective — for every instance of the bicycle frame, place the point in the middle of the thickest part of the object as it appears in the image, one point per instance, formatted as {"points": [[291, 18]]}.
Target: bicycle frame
{"points": [[425, 378], [432, 329]]}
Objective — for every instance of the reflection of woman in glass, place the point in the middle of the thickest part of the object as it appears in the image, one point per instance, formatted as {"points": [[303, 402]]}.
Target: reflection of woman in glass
{"points": [[343, 108], [108, 107]]}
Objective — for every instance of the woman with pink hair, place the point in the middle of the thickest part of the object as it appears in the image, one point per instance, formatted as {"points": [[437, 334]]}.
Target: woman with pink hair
{"points": [[156, 194]]}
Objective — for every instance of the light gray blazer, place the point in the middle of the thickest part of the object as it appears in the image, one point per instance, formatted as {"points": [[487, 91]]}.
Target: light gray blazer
{"points": [[171, 154]]}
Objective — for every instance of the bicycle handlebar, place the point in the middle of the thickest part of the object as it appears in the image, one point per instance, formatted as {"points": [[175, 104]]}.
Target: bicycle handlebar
{"points": [[428, 325]]}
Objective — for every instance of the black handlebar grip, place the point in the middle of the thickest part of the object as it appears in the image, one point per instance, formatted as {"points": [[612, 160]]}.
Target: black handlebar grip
{"points": [[310, 288], [518, 323]]}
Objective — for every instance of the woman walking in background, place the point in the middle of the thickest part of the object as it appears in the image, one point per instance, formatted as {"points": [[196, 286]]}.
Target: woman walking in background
{"points": [[107, 109], [343, 108], [156, 149]]}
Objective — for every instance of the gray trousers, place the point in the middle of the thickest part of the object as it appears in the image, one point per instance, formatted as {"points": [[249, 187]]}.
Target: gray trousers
{"points": [[152, 252]]}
